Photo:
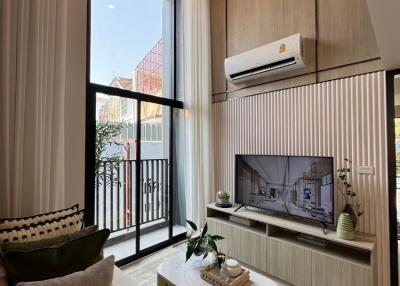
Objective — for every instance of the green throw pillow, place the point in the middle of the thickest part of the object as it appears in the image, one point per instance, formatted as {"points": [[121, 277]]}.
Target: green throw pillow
{"points": [[55, 261]]}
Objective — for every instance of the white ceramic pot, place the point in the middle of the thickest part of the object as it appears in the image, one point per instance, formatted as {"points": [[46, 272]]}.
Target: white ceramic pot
{"points": [[234, 268]]}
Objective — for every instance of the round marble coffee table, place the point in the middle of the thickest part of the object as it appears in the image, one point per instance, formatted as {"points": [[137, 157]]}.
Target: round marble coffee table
{"points": [[175, 272]]}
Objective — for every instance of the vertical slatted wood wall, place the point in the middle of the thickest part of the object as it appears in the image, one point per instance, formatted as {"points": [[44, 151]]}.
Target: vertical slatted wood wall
{"points": [[340, 118]]}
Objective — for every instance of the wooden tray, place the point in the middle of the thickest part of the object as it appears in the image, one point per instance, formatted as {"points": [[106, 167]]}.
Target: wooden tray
{"points": [[211, 275]]}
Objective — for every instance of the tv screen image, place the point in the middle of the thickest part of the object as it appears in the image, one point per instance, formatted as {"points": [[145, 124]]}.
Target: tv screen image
{"points": [[299, 186]]}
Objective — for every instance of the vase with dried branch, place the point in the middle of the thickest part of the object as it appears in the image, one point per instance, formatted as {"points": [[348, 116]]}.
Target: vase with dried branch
{"points": [[344, 184]]}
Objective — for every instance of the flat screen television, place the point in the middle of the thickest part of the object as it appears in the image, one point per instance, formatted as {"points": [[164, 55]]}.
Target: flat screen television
{"points": [[295, 185]]}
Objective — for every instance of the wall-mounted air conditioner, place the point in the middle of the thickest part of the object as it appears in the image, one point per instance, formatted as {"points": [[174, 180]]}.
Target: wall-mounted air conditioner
{"points": [[278, 57]]}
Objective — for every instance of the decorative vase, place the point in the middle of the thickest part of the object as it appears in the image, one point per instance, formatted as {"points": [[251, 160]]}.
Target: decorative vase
{"points": [[223, 200], [345, 227], [349, 209], [220, 258]]}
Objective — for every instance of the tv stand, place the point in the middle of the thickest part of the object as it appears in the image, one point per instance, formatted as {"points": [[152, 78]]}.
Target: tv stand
{"points": [[277, 250]]}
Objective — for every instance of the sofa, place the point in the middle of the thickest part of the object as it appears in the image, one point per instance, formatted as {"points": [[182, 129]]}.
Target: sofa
{"points": [[119, 279], [48, 238]]}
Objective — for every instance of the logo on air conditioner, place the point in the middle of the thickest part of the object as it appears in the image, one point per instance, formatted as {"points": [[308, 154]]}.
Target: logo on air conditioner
{"points": [[282, 48]]}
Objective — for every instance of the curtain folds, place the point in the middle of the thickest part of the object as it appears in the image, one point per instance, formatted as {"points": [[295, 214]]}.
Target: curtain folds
{"points": [[199, 176], [33, 38]]}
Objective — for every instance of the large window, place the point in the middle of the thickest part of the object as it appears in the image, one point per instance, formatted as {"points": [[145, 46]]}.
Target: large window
{"points": [[396, 91], [134, 185]]}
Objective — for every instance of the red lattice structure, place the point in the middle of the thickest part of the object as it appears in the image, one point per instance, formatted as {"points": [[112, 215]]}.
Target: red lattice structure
{"points": [[148, 73]]}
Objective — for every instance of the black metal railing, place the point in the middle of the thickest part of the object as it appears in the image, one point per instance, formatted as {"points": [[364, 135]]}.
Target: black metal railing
{"points": [[115, 197]]}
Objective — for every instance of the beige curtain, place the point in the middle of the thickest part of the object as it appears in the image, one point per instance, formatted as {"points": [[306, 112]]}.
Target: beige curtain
{"points": [[199, 177], [33, 96]]}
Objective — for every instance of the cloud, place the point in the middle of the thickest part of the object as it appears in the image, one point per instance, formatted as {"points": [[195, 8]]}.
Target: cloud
{"points": [[110, 6]]}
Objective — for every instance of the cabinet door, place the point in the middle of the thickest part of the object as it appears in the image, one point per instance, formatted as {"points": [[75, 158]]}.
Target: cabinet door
{"points": [[253, 249], [228, 232], [289, 262], [331, 271], [243, 244]]}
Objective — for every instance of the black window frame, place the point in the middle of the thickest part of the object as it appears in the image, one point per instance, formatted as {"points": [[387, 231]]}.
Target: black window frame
{"points": [[391, 165], [91, 90]]}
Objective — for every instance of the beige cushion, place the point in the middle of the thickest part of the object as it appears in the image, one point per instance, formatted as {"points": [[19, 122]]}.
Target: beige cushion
{"points": [[123, 279], [119, 278], [99, 274]]}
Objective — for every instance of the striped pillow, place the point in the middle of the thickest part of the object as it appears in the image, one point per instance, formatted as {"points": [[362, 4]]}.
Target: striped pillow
{"points": [[48, 229], [7, 223]]}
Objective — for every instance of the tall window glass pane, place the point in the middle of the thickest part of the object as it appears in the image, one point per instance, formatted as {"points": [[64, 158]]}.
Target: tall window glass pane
{"points": [[132, 45], [397, 145], [155, 174], [115, 191]]}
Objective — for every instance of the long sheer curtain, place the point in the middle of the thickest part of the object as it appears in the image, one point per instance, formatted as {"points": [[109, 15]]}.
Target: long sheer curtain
{"points": [[33, 91], [199, 177]]}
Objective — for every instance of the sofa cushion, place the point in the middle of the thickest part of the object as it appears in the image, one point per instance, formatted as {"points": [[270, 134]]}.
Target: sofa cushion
{"points": [[3, 275], [55, 261], [99, 274], [43, 243], [64, 225], [7, 223], [123, 279]]}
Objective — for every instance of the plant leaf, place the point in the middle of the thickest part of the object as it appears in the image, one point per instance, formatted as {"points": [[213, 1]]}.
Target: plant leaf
{"points": [[189, 252], [205, 229], [192, 225], [217, 237], [213, 245]]}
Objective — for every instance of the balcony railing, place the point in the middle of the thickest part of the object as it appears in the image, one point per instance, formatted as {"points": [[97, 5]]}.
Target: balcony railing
{"points": [[115, 198]]}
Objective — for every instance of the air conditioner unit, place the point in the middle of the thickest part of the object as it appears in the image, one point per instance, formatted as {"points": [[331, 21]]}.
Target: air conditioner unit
{"points": [[274, 58]]}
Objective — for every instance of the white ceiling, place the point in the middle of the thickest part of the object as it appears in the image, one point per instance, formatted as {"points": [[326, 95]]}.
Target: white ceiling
{"points": [[385, 17]]}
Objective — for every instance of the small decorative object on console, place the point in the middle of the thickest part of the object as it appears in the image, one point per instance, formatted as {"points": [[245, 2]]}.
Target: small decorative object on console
{"points": [[223, 272], [223, 200], [234, 268], [348, 219], [345, 228]]}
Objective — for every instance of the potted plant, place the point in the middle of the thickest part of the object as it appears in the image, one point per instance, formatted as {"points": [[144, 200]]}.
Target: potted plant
{"points": [[352, 210], [201, 243]]}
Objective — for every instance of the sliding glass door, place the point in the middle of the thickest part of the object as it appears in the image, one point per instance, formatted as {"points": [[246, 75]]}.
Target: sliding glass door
{"points": [[133, 161]]}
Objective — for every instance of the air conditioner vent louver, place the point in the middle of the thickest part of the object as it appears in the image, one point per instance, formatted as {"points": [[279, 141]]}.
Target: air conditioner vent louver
{"points": [[264, 68]]}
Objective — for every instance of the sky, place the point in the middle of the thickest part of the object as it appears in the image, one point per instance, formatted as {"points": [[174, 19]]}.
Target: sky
{"points": [[122, 33]]}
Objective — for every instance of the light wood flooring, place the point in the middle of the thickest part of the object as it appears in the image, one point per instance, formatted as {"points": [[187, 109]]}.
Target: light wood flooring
{"points": [[144, 271]]}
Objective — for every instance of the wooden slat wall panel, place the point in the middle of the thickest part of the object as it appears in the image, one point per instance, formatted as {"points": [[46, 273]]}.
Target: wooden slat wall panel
{"points": [[340, 118], [345, 33]]}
